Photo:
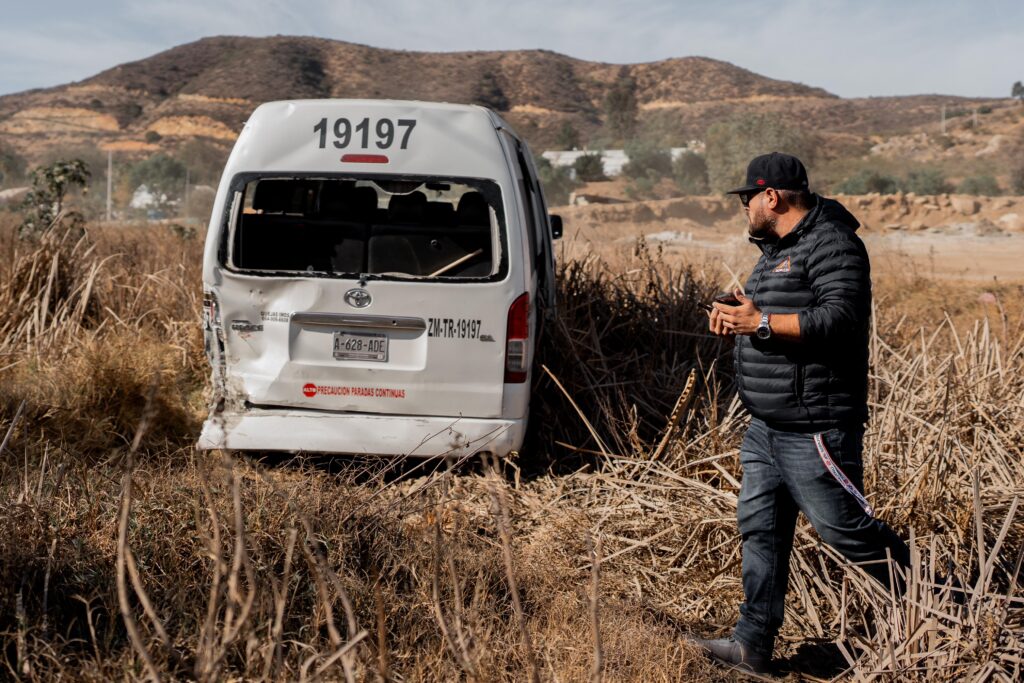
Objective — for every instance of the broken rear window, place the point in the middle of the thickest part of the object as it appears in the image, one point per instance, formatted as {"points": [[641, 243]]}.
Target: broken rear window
{"points": [[350, 227]]}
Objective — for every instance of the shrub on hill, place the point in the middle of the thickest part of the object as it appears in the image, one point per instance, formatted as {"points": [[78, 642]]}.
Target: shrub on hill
{"points": [[162, 175], [556, 181], [620, 107], [568, 137], [589, 168], [1017, 179], [690, 171], [866, 181], [12, 166], [204, 160], [646, 160], [731, 144], [984, 185], [926, 181]]}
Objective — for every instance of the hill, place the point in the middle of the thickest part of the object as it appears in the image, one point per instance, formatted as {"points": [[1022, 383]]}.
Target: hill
{"points": [[207, 88]]}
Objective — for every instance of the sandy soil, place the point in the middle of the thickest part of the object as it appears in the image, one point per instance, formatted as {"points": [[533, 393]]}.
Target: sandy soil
{"points": [[975, 247]]}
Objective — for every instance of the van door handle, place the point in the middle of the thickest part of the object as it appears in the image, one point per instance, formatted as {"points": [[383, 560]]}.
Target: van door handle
{"points": [[378, 322]]}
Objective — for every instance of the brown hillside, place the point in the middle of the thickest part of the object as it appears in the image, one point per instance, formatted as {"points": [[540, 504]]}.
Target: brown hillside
{"points": [[207, 89]]}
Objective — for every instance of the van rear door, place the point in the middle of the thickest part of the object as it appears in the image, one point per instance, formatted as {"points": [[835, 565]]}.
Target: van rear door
{"points": [[366, 293]]}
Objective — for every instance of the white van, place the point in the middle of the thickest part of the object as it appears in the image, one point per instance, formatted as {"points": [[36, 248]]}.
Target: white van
{"points": [[372, 277]]}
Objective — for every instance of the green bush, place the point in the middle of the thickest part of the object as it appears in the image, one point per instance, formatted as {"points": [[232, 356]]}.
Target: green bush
{"points": [[867, 181], [162, 175], [589, 168], [568, 137], [556, 181], [152, 136], [204, 159], [1017, 179], [984, 185], [731, 144], [12, 166], [646, 160], [641, 188], [620, 106], [690, 171], [926, 181], [44, 203]]}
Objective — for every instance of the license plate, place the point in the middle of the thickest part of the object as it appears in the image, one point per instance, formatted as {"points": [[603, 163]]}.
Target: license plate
{"points": [[370, 346]]}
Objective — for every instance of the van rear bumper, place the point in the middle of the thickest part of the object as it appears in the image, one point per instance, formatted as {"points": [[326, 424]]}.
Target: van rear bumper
{"points": [[325, 432]]}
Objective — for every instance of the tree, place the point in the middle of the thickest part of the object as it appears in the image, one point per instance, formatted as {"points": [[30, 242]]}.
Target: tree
{"points": [[620, 107], [44, 203], [1017, 91], [731, 144], [589, 168], [646, 160], [12, 165], [204, 159], [568, 137], [690, 171], [488, 92], [556, 181], [162, 175]]}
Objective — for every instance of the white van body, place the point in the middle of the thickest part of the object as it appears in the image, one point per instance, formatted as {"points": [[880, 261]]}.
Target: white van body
{"points": [[403, 323]]}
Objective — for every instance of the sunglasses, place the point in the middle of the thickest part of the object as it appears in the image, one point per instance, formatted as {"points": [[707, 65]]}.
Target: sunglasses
{"points": [[745, 198]]}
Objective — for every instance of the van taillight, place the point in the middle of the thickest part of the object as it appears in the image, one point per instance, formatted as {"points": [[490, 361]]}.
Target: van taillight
{"points": [[518, 335]]}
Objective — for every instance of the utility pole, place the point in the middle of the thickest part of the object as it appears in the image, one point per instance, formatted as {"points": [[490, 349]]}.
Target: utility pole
{"points": [[943, 119], [110, 179], [975, 118], [188, 175]]}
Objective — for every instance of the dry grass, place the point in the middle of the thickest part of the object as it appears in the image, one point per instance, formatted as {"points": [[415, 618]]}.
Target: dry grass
{"points": [[125, 554]]}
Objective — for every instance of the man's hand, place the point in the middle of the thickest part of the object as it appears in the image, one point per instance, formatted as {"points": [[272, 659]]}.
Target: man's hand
{"points": [[742, 319], [716, 325]]}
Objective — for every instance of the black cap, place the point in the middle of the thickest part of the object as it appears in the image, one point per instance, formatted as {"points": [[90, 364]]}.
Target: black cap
{"points": [[778, 170]]}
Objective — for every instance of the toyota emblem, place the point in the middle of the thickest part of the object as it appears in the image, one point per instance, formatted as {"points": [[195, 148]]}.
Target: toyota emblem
{"points": [[358, 298]]}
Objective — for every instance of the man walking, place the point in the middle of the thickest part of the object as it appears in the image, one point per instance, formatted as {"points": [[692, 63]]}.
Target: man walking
{"points": [[801, 357]]}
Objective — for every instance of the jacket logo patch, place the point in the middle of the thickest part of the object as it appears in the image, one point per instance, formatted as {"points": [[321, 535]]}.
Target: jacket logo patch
{"points": [[785, 265]]}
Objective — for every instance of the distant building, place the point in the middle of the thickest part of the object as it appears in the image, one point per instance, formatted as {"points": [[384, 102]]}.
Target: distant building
{"points": [[612, 160]]}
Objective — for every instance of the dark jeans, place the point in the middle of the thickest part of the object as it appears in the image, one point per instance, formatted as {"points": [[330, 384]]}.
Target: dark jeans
{"points": [[783, 473]]}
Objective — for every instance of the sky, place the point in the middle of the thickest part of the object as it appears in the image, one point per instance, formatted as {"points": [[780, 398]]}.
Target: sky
{"points": [[852, 49]]}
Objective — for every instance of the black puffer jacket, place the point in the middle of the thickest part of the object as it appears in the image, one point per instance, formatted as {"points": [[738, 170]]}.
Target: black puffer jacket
{"points": [[819, 270]]}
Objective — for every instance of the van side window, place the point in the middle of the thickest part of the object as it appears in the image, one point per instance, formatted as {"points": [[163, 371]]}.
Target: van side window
{"points": [[532, 202], [432, 228]]}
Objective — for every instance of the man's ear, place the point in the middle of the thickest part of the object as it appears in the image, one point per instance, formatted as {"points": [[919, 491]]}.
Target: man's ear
{"points": [[773, 197]]}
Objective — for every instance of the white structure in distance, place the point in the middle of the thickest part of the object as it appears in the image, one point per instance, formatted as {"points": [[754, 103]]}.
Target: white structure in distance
{"points": [[612, 160]]}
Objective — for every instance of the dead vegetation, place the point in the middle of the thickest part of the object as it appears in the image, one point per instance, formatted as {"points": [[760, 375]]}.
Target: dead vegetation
{"points": [[125, 554]]}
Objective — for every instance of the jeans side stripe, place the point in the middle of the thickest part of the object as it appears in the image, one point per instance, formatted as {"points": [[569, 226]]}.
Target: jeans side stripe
{"points": [[840, 476]]}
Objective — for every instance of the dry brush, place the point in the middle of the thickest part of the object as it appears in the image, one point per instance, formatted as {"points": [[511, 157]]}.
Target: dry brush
{"points": [[124, 553]]}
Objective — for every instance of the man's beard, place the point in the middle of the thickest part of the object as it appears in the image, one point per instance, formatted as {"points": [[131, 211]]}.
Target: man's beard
{"points": [[761, 225]]}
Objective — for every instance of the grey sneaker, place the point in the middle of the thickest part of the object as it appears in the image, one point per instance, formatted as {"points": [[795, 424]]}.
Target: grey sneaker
{"points": [[735, 654]]}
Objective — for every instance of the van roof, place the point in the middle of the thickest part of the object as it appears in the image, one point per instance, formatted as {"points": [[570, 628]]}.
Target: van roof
{"points": [[371, 136]]}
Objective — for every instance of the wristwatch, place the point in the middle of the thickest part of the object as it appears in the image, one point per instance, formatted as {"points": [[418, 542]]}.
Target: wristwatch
{"points": [[764, 330]]}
